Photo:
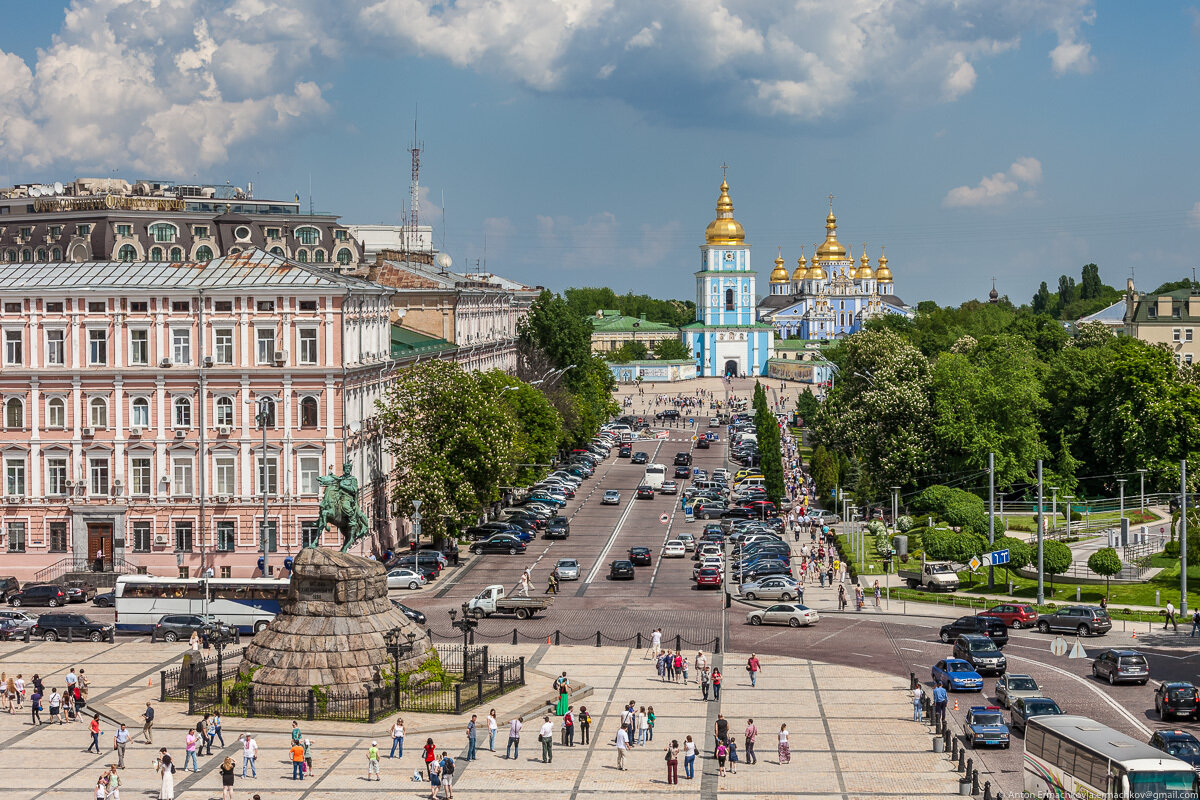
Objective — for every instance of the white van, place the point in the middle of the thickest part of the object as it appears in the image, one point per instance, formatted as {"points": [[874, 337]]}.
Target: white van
{"points": [[655, 475]]}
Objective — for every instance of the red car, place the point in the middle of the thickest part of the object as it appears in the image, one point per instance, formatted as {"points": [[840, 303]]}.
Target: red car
{"points": [[709, 576], [761, 508], [1013, 615]]}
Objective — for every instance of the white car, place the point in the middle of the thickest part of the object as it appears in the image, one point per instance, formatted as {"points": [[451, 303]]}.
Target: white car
{"points": [[568, 569], [715, 562], [675, 548], [611, 498], [793, 614], [714, 422], [401, 578]]}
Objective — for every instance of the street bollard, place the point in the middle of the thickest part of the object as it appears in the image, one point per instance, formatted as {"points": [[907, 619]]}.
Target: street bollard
{"points": [[974, 782], [961, 761], [939, 746], [970, 766], [953, 746], [639, 640], [514, 635], [948, 739], [987, 790], [597, 638], [557, 635], [912, 681]]}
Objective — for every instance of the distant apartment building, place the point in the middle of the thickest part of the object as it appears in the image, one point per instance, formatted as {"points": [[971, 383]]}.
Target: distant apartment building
{"points": [[1171, 319], [110, 219], [149, 407], [611, 330]]}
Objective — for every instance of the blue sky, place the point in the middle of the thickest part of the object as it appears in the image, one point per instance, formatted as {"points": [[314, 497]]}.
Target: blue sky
{"points": [[581, 140]]}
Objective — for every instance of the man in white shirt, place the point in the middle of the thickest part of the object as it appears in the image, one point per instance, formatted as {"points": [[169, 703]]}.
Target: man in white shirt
{"points": [[656, 642], [249, 754], [514, 738], [622, 747], [546, 737]]}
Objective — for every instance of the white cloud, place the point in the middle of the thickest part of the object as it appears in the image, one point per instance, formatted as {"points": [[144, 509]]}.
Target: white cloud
{"points": [[1025, 172], [1194, 216], [961, 79], [645, 37], [1072, 56]]}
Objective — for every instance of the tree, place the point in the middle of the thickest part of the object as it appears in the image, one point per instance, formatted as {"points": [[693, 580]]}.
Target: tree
{"points": [[1019, 552], [539, 427], [628, 351], [1090, 287], [1090, 334], [945, 544], [1041, 300], [1056, 559], [956, 507], [769, 445], [672, 350], [824, 471], [1106, 562], [806, 406], [1067, 292]]}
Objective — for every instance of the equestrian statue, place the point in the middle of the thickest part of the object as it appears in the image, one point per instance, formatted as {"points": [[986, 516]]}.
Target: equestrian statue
{"points": [[339, 508]]}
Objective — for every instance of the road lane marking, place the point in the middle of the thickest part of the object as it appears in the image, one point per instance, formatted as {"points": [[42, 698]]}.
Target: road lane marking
{"points": [[617, 530]]}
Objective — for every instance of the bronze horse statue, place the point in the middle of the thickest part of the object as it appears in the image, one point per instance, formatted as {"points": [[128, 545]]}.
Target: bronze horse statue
{"points": [[339, 508]]}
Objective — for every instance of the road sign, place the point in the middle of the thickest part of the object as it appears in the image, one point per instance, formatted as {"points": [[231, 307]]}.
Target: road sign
{"points": [[1077, 651], [664, 519], [1059, 646], [996, 557], [974, 563], [693, 438], [688, 514]]}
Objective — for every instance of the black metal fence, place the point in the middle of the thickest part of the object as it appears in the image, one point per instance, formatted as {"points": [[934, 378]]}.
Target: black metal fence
{"points": [[464, 680], [636, 640]]}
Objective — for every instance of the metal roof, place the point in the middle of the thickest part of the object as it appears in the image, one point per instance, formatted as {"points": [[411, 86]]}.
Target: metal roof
{"points": [[247, 270]]}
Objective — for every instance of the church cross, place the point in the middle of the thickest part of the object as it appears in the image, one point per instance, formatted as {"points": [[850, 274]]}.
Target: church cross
{"points": [[724, 167], [831, 203]]}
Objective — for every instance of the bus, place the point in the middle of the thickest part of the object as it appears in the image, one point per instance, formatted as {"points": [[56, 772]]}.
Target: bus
{"points": [[655, 475], [1077, 757], [247, 604]]}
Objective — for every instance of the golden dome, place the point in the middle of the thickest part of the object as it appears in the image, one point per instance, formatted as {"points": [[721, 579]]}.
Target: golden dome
{"points": [[883, 273], [725, 229], [779, 274], [801, 271], [864, 266], [816, 272], [831, 249]]}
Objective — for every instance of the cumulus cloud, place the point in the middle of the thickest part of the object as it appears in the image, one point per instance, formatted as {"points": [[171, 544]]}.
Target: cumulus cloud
{"points": [[170, 86], [1025, 173]]}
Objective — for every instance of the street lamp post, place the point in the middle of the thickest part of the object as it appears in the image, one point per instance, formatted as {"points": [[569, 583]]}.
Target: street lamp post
{"points": [[466, 625], [1041, 589], [1068, 498], [1121, 486], [1053, 505], [1142, 478], [398, 649], [265, 406]]}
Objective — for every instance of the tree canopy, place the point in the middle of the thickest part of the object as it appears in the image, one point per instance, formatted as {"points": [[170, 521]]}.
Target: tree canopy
{"points": [[585, 302]]}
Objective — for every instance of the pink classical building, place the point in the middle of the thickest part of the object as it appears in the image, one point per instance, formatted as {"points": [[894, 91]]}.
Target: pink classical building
{"points": [[136, 398]]}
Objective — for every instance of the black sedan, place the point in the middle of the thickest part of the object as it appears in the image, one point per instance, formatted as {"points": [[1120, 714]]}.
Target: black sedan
{"points": [[670, 413], [766, 567], [640, 457], [621, 570], [625, 452], [702, 444], [683, 472], [640, 556], [502, 543], [104, 599], [558, 528], [411, 613], [737, 512], [645, 492]]}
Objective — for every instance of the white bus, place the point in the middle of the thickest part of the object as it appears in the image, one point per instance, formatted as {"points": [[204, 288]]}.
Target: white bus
{"points": [[655, 475], [247, 604], [1076, 757]]}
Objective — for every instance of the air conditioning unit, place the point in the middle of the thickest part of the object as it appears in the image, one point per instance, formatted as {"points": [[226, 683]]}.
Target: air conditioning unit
{"points": [[208, 361], [222, 498], [118, 483], [135, 431], [166, 362], [181, 434], [280, 356], [70, 484], [224, 430], [15, 498], [160, 538], [89, 431]]}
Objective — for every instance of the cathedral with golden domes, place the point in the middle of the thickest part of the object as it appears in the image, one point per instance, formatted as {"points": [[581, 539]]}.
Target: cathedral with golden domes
{"points": [[727, 339], [832, 296]]}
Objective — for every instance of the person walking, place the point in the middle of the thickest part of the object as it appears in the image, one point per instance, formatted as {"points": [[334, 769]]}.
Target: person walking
{"points": [[656, 643], [918, 696], [514, 738], [94, 728], [202, 729], [939, 703], [568, 728], [471, 739], [716, 684], [704, 683], [114, 782], [673, 762], [226, 770], [753, 667], [1171, 617], [622, 747], [733, 756], [722, 753], [249, 755], [189, 750], [297, 755], [785, 749], [841, 598], [214, 731], [446, 771], [689, 758], [435, 781], [147, 723], [1195, 624], [429, 754], [166, 771], [55, 703], [751, 737], [546, 737], [585, 725], [650, 724], [397, 739], [493, 725], [120, 741], [373, 760]]}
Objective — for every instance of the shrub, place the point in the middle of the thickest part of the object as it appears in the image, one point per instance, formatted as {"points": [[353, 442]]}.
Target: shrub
{"points": [[903, 523], [958, 508], [1172, 549]]}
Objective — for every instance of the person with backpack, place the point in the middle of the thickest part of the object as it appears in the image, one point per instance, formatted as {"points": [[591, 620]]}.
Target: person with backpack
{"points": [[446, 771], [585, 725]]}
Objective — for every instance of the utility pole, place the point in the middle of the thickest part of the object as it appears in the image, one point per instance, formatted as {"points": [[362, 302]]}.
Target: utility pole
{"points": [[991, 515], [1183, 538], [1121, 485], [1041, 590], [1142, 475]]}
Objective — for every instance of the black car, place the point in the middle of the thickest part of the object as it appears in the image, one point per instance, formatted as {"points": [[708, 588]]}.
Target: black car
{"points": [[77, 594], [645, 492], [104, 600], [640, 457], [52, 627], [993, 628], [1180, 744], [424, 559], [708, 510], [1025, 707], [683, 459], [489, 529], [621, 570], [500, 543], [45, 594], [683, 472], [526, 519], [670, 413], [411, 613], [737, 512], [174, 627], [625, 452], [702, 444], [1177, 699], [640, 555], [558, 528], [8, 585], [981, 653]]}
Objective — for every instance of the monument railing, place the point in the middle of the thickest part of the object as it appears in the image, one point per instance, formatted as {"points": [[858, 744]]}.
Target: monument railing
{"points": [[636, 640]]}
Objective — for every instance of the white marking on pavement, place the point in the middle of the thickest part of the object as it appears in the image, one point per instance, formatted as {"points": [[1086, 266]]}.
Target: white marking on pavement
{"points": [[617, 530], [864, 655]]}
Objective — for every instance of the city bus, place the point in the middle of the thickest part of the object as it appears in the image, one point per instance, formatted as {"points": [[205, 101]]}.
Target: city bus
{"points": [[247, 604], [655, 475], [1076, 757]]}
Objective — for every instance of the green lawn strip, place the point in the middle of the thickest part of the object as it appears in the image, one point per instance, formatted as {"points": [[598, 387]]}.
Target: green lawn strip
{"points": [[1028, 522]]}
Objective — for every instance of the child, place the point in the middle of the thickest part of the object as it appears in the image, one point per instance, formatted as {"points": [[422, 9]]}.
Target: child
{"points": [[722, 752], [733, 756]]}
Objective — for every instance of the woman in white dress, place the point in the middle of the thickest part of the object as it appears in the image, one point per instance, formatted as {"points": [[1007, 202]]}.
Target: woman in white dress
{"points": [[167, 770]]}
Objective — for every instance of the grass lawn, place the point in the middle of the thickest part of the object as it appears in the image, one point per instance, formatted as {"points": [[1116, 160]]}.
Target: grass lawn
{"points": [[1028, 522]]}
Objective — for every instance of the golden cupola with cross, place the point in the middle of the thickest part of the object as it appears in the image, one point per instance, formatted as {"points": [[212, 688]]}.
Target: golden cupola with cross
{"points": [[725, 230], [831, 249]]}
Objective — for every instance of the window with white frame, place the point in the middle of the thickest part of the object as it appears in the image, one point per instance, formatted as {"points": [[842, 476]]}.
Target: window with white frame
{"points": [[264, 413], [265, 340], [58, 537], [183, 412], [309, 416], [14, 477], [141, 536], [139, 347], [139, 475], [310, 533], [225, 473], [183, 536], [98, 476], [14, 348], [226, 535], [308, 235], [181, 345], [268, 475], [98, 412], [54, 348], [97, 348], [1176, 334], [14, 413], [163, 232], [310, 470], [308, 345], [223, 349], [56, 476], [223, 408], [181, 483], [139, 412], [16, 537]]}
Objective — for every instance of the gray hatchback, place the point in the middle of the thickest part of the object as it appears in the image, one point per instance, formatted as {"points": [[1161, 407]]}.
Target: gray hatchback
{"points": [[1080, 620]]}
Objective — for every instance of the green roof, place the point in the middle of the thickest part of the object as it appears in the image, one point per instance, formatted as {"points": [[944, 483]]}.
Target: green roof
{"points": [[653, 362], [1179, 302], [407, 342], [616, 323]]}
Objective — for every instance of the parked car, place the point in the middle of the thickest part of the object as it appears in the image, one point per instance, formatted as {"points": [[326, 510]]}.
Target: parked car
{"points": [[1014, 615], [985, 725], [8, 585], [621, 570], [708, 576], [775, 587], [1177, 699], [993, 628], [640, 556], [1025, 707], [78, 594], [1181, 744], [559, 528], [568, 569], [674, 548], [956, 675], [174, 627], [404, 578], [18, 618], [105, 599], [1080, 620], [1121, 666], [52, 627], [411, 613], [10, 630], [501, 543], [981, 653], [1010, 687], [46, 594], [611, 498], [792, 614], [645, 492]]}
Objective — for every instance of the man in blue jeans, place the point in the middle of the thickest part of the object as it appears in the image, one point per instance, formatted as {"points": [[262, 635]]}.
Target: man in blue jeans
{"points": [[939, 703], [514, 738], [471, 739]]}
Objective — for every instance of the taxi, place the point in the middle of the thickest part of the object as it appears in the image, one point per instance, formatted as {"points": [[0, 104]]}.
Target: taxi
{"points": [[985, 725]]}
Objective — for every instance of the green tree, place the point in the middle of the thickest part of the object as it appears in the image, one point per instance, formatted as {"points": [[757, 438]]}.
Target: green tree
{"points": [[1067, 292], [945, 544], [539, 427], [628, 351], [672, 350], [1019, 552], [807, 406], [1041, 300], [825, 472], [955, 507], [1106, 562], [1090, 287], [1090, 334], [1056, 559]]}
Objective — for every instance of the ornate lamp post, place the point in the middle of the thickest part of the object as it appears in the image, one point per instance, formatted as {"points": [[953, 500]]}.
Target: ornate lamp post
{"points": [[466, 624], [398, 649]]}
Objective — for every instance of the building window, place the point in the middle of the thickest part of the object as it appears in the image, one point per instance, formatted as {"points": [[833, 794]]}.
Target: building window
{"points": [[265, 340], [56, 413], [272, 233], [344, 256], [226, 536], [16, 537], [265, 305], [310, 533], [56, 254], [183, 536], [54, 307], [14, 414], [272, 534], [84, 230], [340, 235], [183, 412], [204, 253], [181, 346], [56, 231], [139, 412], [1176, 334], [124, 230], [241, 232], [127, 253], [226, 475], [308, 235], [226, 572], [14, 477], [1187, 335], [98, 476], [319, 256], [98, 418], [12, 256], [268, 475], [729, 300], [181, 306], [97, 306], [139, 347], [97, 348], [308, 412], [225, 306], [265, 414], [308, 305], [43, 256], [310, 470], [138, 306], [302, 256], [176, 255], [14, 348], [56, 476], [1188, 358], [277, 251], [224, 411], [139, 475], [156, 254], [12, 308], [223, 338], [141, 537], [182, 479], [308, 345], [54, 349], [26, 255], [200, 231], [163, 232], [58, 537]]}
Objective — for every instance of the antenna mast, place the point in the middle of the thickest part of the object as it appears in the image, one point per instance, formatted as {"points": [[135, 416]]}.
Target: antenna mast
{"points": [[413, 202]]}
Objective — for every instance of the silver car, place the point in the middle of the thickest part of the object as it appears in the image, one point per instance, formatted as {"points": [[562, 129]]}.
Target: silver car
{"points": [[772, 587], [793, 614], [401, 578], [1010, 687], [568, 569], [611, 498], [19, 618]]}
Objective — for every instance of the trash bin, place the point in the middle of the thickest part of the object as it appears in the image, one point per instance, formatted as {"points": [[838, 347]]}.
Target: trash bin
{"points": [[939, 744]]}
